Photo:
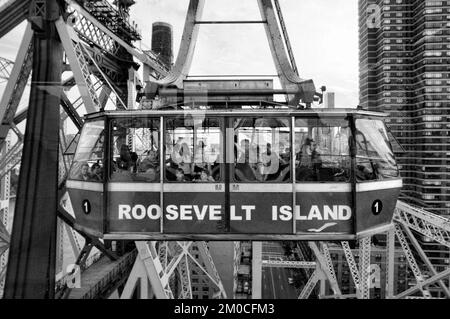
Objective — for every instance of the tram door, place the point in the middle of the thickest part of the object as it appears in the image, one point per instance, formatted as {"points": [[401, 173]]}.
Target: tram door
{"points": [[377, 176], [194, 187], [259, 149]]}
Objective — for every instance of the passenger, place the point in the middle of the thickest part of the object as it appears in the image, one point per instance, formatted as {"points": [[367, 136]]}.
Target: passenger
{"points": [[124, 161], [285, 154], [96, 172], [125, 155], [84, 172], [200, 157], [134, 159], [271, 162], [150, 175], [305, 169], [153, 157], [151, 160], [182, 156], [123, 174], [114, 166], [364, 173], [205, 177], [244, 152], [179, 173], [306, 153], [316, 160], [243, 170]]}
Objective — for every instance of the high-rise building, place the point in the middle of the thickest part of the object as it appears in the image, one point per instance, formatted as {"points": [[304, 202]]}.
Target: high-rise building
{"points": [[405, 71], [328, 100], [162, 41]]}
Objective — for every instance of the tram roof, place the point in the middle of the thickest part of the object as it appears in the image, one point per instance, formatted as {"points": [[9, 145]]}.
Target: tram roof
{"points": [[340, 112]]}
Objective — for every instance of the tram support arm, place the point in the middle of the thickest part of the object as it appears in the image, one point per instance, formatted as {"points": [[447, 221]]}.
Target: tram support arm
{"points": [[69, 220]]}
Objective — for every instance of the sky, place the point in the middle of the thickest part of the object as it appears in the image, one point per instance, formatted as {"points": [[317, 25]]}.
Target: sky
{"points": [[323, 35]]}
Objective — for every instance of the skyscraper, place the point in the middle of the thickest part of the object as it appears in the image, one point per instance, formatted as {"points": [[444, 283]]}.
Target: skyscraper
{"points": [[162, 41], [405, 71]]}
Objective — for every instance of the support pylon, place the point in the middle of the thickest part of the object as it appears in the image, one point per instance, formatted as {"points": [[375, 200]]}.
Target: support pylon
{"points": [[31, 267]]}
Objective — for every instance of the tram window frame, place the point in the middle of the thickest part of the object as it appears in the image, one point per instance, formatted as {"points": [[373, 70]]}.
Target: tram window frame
{"points": [[235, 154], [101, 150], [377, 176], [317, 174], [135, 177], [220, 151]]}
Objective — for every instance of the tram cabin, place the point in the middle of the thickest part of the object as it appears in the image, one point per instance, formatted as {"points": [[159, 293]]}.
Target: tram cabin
{"points": [[314, 174]]}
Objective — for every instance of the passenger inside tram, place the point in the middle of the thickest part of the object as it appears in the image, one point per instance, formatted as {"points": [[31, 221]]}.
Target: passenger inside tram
{"points": [[96, 172], [147, 171], [316, 161], [84, 172], [259, 145], [182, 157], [246, 165], [197, 149], [324, 154], [304, 170], [204, 176], [123, 173], [141, 163], [179, 174]]}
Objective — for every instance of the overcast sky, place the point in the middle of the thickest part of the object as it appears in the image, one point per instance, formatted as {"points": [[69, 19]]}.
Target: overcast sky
{"points": [[323, 34]]}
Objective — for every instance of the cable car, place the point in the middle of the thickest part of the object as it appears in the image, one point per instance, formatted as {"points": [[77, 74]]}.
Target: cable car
{"points": [[233, 174]]}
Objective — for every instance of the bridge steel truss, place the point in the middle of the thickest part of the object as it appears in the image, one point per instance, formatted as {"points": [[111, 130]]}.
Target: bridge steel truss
{"points": [[163, 269]]}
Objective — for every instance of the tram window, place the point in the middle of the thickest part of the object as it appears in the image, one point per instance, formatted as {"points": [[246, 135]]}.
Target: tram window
{"points": [[135, 150], [88, 160], [262, 149], [193, 150], [374, 158], [322, 150]]}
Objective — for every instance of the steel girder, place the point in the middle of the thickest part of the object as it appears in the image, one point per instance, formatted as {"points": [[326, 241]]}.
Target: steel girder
{"points": [[351, 263], [12, 13], [364, 265], [411, 260], [210, 269], [94, 31], [5, 238], [16, 84], [5, 68], [390, 262], [75, 53], [289, 264], [326, 267], [164, 261], [425, 259], [310, 284], [430, 225], [31, 271]]}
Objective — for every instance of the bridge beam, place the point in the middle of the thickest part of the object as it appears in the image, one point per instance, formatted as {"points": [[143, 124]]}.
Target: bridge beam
{"points": [[32, 257]]}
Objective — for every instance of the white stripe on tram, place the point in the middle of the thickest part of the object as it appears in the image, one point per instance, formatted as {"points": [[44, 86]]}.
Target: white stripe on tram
{"points": [[235, 188], [260, 188], [323, 188], [89, 186], [379, 185], [194, 188], [134, 187]]}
